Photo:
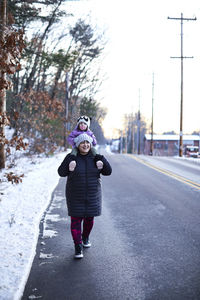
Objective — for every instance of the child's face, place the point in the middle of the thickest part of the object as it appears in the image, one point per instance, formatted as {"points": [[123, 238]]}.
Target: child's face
{"points": [[82, 126]]}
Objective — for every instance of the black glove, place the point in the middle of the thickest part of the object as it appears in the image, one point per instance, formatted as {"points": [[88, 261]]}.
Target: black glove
{"points": [[98, 157], [72, 157]]}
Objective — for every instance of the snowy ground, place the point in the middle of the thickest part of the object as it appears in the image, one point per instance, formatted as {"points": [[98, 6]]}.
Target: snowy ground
{"points": [[21, 208]]}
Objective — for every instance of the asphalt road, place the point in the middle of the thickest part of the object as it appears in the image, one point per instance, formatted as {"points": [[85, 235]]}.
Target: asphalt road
{"points": [[146, 244]]}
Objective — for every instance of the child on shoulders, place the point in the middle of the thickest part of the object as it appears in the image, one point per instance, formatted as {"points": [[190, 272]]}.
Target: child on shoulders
{"points": [[83, 124]]}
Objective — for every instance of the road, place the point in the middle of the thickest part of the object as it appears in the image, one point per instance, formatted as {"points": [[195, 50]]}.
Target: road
{"points": [[146, 244]]}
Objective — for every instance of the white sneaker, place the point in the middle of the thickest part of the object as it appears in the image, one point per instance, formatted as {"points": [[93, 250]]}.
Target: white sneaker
{"points": [[86, 243]]}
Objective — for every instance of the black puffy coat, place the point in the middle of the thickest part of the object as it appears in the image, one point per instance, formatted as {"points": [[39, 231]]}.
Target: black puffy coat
{"points": [[83, 188]]}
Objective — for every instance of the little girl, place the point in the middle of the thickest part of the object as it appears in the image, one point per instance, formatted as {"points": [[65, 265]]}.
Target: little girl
{"points": [[83, 124]]}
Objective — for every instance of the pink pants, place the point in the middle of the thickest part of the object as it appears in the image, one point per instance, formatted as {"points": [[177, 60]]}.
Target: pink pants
{"points": [[76, 232]]}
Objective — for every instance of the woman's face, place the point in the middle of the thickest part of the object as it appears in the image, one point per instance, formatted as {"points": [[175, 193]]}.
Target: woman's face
{"points": [[84, 147]]}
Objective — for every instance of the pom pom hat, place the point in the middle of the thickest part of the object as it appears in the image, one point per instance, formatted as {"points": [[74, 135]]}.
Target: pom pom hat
{"points": [[81, 138], [84, 119]]}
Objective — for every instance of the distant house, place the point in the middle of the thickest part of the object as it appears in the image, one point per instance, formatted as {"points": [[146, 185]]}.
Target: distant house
{"points": [[168, 144]]}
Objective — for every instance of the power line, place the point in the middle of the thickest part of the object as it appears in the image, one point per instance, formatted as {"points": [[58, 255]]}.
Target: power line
{"points": [[181, 57]]}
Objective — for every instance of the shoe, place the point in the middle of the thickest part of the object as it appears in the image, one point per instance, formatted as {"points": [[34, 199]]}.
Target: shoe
{"points": [[86, 242], [72, 165], [78, 251]]}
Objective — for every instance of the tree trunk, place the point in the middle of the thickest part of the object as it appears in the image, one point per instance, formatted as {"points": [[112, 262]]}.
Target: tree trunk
{"points": [[57, 77], [3, 91]]}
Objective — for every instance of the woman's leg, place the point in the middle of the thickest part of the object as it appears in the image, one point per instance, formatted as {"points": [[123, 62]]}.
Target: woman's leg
{"points": [[76, 229], [88, 223]]}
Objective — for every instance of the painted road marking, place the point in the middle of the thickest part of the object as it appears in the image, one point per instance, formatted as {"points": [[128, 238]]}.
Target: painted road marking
{"points": [[169, 173]]}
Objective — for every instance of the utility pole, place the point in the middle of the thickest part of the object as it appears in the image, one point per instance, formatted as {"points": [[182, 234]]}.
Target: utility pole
{"points": [[125, 140], [66, 123], [151, 145], [138, 127], [181, 57], [3, 16], [133, 134], [121, 142]]}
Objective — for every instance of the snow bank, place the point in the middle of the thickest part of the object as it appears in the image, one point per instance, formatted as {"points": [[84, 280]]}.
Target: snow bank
{"points": [[21, 208], [189, 159]]}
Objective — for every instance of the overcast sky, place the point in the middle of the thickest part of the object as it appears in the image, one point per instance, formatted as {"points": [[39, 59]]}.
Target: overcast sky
{"points": [[140, 42]]}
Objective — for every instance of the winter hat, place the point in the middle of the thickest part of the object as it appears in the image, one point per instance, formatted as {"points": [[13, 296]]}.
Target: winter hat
{"points": [[81, 138], [84, 119]]}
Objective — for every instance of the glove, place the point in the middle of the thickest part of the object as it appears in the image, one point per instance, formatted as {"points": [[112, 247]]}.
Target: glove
{"points": [[98, 157]]}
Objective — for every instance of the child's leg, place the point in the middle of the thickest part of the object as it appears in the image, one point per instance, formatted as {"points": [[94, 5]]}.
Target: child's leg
{"points": [[74, 151], [76, 229], [87, 226]]}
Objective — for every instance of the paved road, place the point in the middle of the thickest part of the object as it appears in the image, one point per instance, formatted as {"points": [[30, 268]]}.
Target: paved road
{"points": [[146, 245], [187, 168]]}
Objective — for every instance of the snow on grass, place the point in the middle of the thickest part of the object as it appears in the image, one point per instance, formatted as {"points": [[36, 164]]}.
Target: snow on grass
{"points": [[21, 209]]}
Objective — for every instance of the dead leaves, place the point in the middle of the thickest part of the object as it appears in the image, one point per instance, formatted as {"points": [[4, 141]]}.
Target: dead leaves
{"points": [[11, 46], [13, 178]]}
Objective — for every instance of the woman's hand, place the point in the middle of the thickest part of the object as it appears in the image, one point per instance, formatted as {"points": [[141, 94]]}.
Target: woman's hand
{"points": [[72, 165], [99, 164]]}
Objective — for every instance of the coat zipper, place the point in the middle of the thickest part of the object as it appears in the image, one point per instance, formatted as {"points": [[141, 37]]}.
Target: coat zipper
{"points": [[86, 190]]}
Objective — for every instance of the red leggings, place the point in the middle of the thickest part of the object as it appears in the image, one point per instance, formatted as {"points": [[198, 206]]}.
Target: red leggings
{"points": [[76, 228]]}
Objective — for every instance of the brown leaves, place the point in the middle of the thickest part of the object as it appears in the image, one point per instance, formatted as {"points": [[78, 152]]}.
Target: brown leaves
{"points": [[43, 104], [11, 46], [18, 143], [4, 120], [40, 120], [13, 178]]}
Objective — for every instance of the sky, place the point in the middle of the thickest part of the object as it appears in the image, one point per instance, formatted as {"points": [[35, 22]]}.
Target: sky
{"points": [[141, 40]]}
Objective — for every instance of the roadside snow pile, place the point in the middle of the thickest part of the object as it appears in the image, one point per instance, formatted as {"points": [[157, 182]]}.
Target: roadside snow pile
{"points": [[21, 208], [189, 159]]}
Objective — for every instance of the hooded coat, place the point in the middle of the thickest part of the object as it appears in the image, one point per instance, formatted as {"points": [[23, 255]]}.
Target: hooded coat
{"points": [[83, 187]]}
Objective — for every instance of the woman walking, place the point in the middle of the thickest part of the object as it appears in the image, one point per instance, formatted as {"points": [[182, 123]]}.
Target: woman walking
{"points": [[83, 191]]}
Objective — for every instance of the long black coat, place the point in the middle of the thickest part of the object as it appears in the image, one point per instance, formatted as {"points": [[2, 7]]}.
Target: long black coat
{"points": [[83, 188]]}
